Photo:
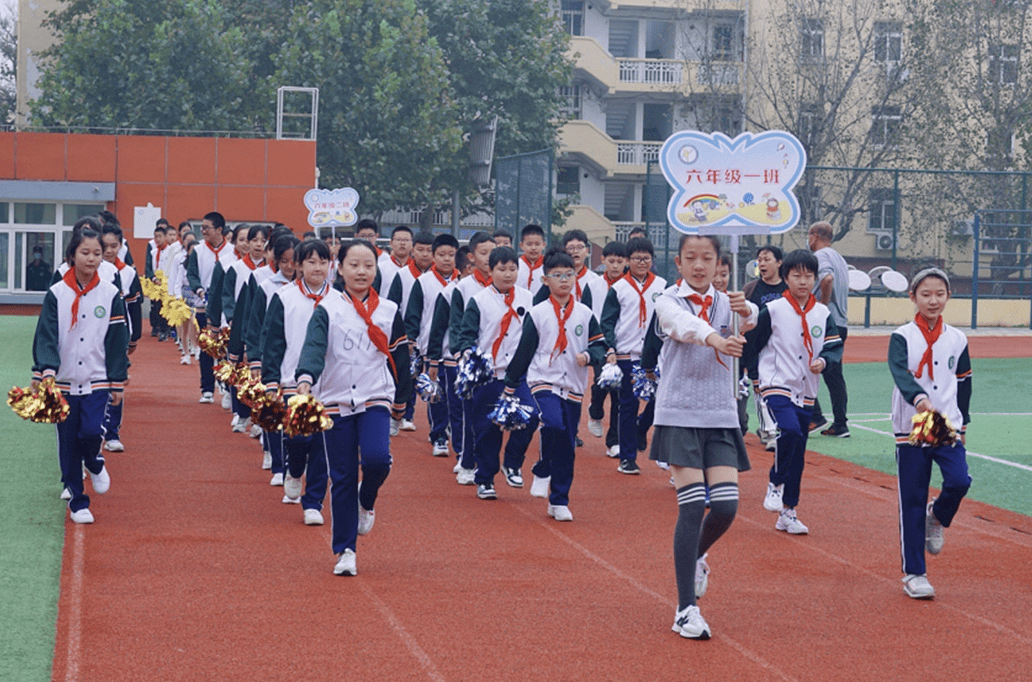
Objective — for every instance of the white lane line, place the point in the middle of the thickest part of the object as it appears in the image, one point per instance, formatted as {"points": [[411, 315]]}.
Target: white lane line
{"points": [[988, 458], [73, 651], [737, 646]]}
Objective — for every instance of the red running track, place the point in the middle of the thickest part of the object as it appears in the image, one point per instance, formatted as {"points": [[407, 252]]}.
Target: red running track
{"points": [[195, 570]]}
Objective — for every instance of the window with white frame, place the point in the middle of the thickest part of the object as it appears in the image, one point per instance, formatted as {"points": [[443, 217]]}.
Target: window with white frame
{"points": [[571, 95], [33, 237], [1003, 64], [885, 125], [722, 43], [811, 34], [881, 203], [888, 42], [573, 17]]}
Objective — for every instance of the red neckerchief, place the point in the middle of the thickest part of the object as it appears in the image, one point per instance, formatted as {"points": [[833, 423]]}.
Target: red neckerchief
{"points": [[531, 267], [376, 334], [510, 315], [248, 262], [704, 306], [157, 255], [583, 270], [561, 316], [801, 312], [400, 265], [642, 308], [119, 263], [378, 251], [213, 249], [931, 335], [307, 293], [414, 269], [441, 278], [482, 280], [611, 282], [69, 279]]}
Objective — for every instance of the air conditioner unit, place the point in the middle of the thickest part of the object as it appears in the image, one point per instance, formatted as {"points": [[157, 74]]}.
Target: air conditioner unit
{"points": [[884, 242], [963, 228]]}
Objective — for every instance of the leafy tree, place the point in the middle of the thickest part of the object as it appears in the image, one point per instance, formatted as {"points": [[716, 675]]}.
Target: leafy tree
{"points": [[386, 123], [8, 63], [164, 65]]}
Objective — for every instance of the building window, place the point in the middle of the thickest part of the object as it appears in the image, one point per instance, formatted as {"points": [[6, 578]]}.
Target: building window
{"points": [[33, 238], [1003, 64], [882, 210], [812, 37], [888, 43], [723, 43], [573, 17], [567, 180], [571, 107], [885, 124], [35, 214]]}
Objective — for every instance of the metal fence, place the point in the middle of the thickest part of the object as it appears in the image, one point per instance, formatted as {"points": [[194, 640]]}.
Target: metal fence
{"points": [[523, 191]]}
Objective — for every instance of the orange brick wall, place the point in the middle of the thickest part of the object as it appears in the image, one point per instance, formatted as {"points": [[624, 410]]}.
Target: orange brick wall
{"points": [[186, 176]]}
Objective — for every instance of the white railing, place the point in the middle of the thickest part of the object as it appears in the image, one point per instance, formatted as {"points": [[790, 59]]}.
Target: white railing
{"points": [[716, 74], [657, 233], [441, 218], [637, 153], [651, 71]]}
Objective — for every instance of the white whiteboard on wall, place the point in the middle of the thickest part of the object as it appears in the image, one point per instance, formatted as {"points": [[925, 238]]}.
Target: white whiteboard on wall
{"points": [[144, 220]]}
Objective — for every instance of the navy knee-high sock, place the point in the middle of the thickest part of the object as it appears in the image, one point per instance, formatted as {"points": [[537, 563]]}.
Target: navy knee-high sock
{"points": [[723, 507], [691, 505]]}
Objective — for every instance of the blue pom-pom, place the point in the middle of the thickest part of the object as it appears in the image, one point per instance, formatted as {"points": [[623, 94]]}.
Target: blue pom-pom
{"points": [[428, 389], [417, 364], [642, 386], [610, 378], [510, 414], [475, 369]]}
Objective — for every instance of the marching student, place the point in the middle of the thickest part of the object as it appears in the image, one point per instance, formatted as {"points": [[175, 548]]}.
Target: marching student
{"points": [[400, 290], [428, 303], [282, 260], [788, 363], [82, 342], [156, 261], [283, 334], [210, 257], [234, 309], [124, 254], [481, 245], [625, 317], [177, 288], [532, 244], [614, 257], [560, 338], [111, 240], [492, 321], [464, 262], [502, 238], [368, 230], [390, 263], [697, 431], [356, 352], [931, 370]]}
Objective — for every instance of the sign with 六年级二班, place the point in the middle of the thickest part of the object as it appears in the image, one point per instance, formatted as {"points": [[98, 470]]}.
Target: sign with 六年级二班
{"points": [[332, 207], [727, 186]]}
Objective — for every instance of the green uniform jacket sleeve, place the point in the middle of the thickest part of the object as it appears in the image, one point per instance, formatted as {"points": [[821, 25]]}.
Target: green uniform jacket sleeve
{"points": [[455, 315], [274, 344], [55, 278], [229, 294], [832, 350], [542, 294], [396, 292], [586, 297], [255, 322], [148, 268], [193, 272], [756, 340], [238, 328], [469, 329], [128, 256], [214, 307], [610, 316], [133, 309], [596, 342], [116, 345], [898, 366], [964, 385], [46, 349], [312, 361], [652, 346], [414, 314], [516, 372], [400, 352], [438, 328]]}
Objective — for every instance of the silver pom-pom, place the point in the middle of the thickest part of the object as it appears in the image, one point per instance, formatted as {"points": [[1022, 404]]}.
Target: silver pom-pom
{"points": [[743, 387], [428, 389], [510, 414], [417, 364], [475, 368], [610, 378], [642, 386]]}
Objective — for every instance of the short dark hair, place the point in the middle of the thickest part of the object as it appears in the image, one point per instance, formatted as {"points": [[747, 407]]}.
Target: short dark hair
{"points": [[800, 259], [614, 249], [502, 233], [157, 228], [367, 224], [161, 221], [401, 228], [107, 217], [241, 227], [353, 243], [216, 219], [501, 255], [712, 239], [532, 229], [309, 235], [85, 228], [283, 243], [310, 246], [575, 234], [424, 237], [256, 230], [477, 239], [445, 240], [775, 251], [724, 259], [639, 245], [637, 230], [113, 228], [557, 258], [462, 258]]}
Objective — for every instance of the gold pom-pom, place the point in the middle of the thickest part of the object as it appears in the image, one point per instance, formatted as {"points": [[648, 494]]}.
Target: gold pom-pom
{"points": [[45, 405], [251, 392], [269, 412], [213, 342], [932, 429], [176, 311], [306, 416], [230, 374]]}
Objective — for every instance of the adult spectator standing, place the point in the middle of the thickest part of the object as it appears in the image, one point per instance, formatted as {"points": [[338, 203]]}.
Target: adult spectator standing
{"points": [[770, 285], [37, 272], [831, 289]]}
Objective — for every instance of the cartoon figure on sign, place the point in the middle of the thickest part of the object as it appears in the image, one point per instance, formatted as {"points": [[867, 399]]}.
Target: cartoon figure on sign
{"points": [[699, 211], [773, 212]]}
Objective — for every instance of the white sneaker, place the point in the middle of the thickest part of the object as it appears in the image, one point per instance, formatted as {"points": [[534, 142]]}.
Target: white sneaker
{"points": [[613, 451], [184, 359], [206, 398], [313, 517], [933, 531], [266, 460], [114, 446], [663, 465], [701, 576], [239, 425], [595, 427], [366, 519], [291, 486], [465, 476], [441, 449], [772, 445], [82, 516], [788, 522], [407, 425], [291, 500], [690, 624], [560, 512], [66, 494], [227, 401], [513, 477], [277, 479], [101, 482], [539, 486], [255, 431], [346, 563], [918, 587], [772, 502], [395, 426], [458, 466]]}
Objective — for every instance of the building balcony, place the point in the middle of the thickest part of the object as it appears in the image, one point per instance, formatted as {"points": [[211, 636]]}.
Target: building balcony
{"points": [[608, 6], [606, 157], [598, 228]]}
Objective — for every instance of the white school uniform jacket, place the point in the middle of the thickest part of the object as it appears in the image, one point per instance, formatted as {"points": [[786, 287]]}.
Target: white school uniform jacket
{"points": [[438, 341], [547, 370], [201, 263], [132, 294], [107, 271], [946, 384], [464, 290], [92, 355], [482, 323], [388, 268], [177, 274], [258, 310], [696, 388], [352, 374], [419, 312], [621, 315], [530, 274], [236, 278], [286, 322], [776, 349], [588, 279], [401, 288]]}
